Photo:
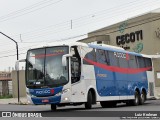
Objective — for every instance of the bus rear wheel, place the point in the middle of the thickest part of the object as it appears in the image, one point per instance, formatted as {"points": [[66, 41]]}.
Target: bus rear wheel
{"points": [[136, 100], [53, 107], [142, 98], [88, 104]]}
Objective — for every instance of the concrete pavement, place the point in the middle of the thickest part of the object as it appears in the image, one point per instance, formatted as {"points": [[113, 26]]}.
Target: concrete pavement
{"points": [[23, 100]]}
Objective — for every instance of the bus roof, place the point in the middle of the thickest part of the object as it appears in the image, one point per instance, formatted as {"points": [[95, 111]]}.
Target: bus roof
{"points": [[42, 45], [116, 49], [96, 46]]}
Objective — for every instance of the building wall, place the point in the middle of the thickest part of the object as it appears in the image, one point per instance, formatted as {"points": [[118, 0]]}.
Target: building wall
{"points": [[10, 87], [148, 28], [0, 88], [22, 87], [157, 70]]}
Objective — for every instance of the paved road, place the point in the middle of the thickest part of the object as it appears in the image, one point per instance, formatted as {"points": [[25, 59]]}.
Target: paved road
{"points": [[62, 112]]}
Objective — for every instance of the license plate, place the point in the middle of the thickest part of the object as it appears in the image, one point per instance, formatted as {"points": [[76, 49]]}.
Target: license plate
{"points": [[45, 101]]}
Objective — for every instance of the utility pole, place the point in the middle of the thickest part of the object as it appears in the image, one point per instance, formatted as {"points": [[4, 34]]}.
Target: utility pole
{"points": [[17, 60], [71, 24]]}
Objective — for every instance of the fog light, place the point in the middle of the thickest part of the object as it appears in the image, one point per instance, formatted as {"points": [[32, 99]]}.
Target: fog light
{"points": [[66, 99]]}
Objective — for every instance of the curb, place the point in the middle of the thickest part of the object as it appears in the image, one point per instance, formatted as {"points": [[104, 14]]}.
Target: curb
{"points": [[21, 103]]}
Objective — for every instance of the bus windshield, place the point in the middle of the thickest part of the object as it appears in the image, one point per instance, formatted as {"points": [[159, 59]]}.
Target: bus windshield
{"points": [[44, 67]]}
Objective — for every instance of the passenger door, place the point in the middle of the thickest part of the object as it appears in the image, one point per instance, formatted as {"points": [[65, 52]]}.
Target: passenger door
{"points": [[76, 74]]}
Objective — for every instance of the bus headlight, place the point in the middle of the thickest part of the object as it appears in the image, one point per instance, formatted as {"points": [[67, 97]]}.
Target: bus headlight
{"points": [[62, 92], [30, 94]]}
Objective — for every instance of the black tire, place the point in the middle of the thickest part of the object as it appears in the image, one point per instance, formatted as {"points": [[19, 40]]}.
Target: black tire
{"points": [[88, 104], [103, 104], [53, 107], [106, 104], [136, 100], [142, 98]]}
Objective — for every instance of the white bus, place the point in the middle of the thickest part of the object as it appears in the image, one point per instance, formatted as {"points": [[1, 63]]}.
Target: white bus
{"points": [[79, 73]]}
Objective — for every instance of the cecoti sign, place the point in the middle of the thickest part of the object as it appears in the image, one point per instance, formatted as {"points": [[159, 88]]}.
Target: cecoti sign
{"points": [[129, 37]]}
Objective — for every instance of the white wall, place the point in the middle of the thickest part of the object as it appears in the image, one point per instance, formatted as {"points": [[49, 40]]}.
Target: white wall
{"points": [[10, 87], [0, 87]]}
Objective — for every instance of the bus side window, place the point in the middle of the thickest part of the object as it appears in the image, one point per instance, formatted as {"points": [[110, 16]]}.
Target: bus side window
{"points": [[102, 56], [148, 63], [90, 56], [141, 62], [123, 62], [144, 62], [132, 62], [107, 57], [113, 59]]}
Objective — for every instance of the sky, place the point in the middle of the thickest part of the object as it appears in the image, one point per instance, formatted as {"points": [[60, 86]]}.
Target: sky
{"points": [[33, 22]]}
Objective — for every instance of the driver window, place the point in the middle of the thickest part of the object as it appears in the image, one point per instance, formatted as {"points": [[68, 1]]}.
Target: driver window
{"points": [[75, 65]]}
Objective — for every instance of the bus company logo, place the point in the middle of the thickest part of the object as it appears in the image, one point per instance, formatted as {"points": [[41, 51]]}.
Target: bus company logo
{"points": [[43, 91], [101, 75], [121, 55]]}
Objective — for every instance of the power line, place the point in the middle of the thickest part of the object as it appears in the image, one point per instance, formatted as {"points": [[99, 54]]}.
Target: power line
{"points": [[27, 10], [83, 21], [11, 55], [81, 18], [24, 9], [65, 23], [80, 21], [26, 48]]}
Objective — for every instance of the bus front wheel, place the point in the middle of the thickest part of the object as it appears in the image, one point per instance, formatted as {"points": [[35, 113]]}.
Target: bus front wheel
{"points": [[88, 104]]}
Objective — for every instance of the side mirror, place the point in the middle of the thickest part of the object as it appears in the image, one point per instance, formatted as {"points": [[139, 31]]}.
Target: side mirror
{"points": [[64, 59], [17, 63]]}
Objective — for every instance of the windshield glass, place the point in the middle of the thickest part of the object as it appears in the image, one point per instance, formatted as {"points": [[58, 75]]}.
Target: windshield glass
{"points": [[44, 67]]}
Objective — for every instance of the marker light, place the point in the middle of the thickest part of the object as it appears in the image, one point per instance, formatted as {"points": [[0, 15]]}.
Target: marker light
{"points": [[62, 92]]}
